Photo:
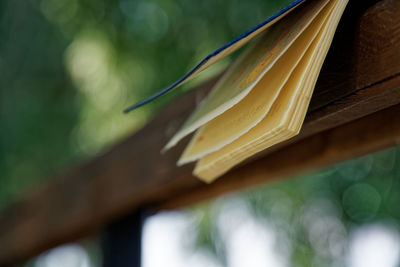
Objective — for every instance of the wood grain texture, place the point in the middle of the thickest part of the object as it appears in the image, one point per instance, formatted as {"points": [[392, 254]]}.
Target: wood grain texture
{"points": [[363, 52], [371, 133], [359, 81]]}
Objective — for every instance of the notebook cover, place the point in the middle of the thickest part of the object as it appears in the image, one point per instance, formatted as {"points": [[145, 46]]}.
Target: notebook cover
{"points": [[221, 53]]}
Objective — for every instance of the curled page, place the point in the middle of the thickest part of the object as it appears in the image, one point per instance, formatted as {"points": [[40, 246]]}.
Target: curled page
{"points": [[250, 67], [246, 114]]}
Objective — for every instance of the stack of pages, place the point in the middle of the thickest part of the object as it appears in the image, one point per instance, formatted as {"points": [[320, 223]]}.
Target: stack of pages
{"points": [[263, 97]]}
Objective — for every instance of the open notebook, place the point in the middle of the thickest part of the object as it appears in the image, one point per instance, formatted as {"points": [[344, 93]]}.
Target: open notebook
{"points": [[263, 97]]}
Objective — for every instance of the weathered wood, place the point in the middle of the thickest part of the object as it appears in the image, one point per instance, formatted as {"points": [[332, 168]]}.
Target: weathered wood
{"points": [[134, 174], [362, 53]]}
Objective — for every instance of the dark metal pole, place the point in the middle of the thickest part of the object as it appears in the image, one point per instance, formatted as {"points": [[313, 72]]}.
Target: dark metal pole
{"points": [[121, 244]]}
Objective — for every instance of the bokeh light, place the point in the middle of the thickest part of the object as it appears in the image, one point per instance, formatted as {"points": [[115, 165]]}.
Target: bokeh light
{"points": [[69, 67], [72, 255]]}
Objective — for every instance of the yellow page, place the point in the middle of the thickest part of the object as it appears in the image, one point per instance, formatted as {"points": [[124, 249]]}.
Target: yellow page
{"points": [[229, 50], [250, 67], [279, 123], [239, 119]]}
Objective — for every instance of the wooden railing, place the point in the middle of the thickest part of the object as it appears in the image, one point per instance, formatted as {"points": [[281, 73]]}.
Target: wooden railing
{"points": [[355, 110]]}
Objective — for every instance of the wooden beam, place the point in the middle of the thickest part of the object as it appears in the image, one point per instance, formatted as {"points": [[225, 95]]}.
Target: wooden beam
{"points": [[358, 83], [366, 135]]}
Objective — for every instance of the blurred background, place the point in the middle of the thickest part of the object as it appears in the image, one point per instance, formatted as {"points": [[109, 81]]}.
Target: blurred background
{"points": [[69, 67]]}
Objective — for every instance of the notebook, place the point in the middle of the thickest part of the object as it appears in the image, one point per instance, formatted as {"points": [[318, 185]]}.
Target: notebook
{"points": [[263, 97]]}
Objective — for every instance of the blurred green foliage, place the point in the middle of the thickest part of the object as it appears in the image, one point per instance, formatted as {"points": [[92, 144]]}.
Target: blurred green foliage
{"points": [[315, 214], [69, 67]]}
